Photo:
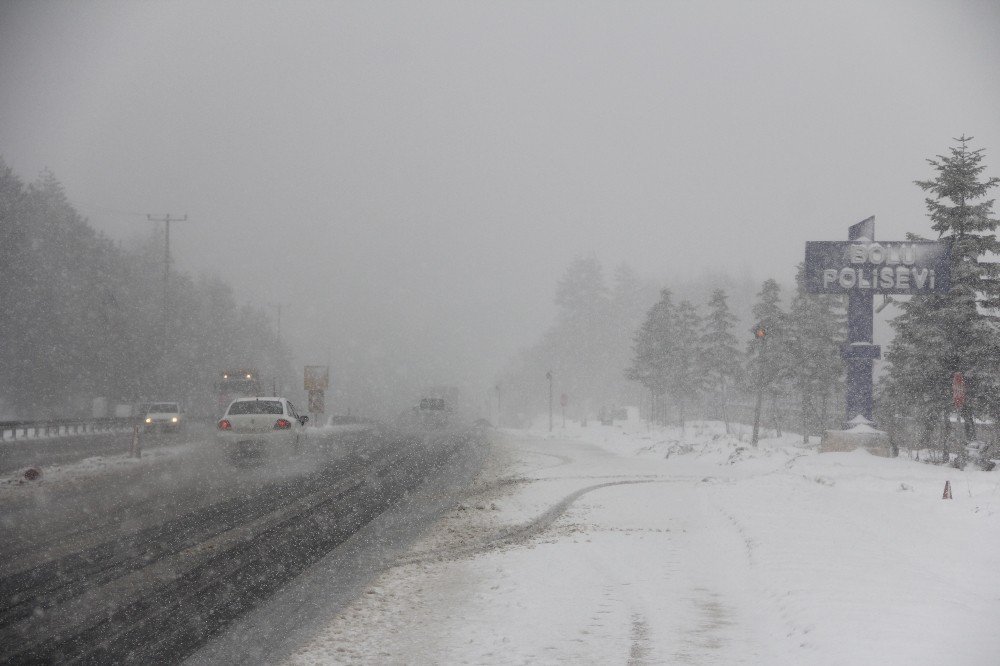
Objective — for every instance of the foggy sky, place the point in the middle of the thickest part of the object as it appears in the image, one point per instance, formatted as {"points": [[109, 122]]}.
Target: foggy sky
{"points": [[418, 175]]}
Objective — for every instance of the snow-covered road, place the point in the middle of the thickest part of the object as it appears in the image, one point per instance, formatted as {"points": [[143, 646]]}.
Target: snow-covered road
{"points": [[145, 560], [604, 546]]}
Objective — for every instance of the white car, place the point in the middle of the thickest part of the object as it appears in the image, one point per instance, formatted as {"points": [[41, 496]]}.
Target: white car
{"points": [[260, 424], [163, 416]]}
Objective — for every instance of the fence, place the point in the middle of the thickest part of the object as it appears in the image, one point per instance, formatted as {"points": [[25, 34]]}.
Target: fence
{"points": [[13, 430]]}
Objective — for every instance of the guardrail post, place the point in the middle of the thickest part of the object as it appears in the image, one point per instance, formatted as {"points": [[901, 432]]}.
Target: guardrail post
{"points": [[133, 450]]}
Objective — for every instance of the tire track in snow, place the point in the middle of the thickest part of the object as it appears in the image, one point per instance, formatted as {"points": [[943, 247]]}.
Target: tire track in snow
{"points": [[519, 533], [563, 460], [639, 651]]}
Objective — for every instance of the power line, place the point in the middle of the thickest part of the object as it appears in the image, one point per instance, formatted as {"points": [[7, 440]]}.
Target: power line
{"points": [[105, 209]]}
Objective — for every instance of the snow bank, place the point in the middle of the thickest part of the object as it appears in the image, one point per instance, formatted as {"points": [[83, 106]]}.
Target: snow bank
{"points": [[95, 466], [604, 545]]}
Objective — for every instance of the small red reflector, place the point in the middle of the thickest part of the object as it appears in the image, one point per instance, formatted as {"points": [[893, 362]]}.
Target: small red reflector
{"points": [[225, 425], [282, 424]]}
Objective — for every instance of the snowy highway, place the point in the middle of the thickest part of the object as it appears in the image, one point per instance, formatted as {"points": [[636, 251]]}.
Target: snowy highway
{"points": [[146, 560], [500, 333]]}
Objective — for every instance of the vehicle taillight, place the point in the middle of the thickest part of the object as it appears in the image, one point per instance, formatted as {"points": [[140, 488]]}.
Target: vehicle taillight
{"points": [[224, 424], [282, 424]]}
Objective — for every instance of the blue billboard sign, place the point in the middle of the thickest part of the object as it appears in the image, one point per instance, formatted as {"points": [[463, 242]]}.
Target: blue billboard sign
{"points": [[889, 267], [860, 268]]}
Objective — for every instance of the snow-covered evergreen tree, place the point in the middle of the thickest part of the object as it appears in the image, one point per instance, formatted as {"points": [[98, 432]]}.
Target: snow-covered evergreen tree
{"points": [[768, 370], [629, 300], [685, 380], [816, 332], [651, 348], [938, 335], [720, 356], [579, 342]]}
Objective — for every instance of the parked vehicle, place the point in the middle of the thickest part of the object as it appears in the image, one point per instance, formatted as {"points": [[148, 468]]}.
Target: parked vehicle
{"points": [[261, 424], [163, 417]]}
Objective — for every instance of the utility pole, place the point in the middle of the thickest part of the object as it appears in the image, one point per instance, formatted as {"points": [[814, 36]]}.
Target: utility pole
{"points": [[548, 375], [274, 380], [277, 308], [166, 219]]}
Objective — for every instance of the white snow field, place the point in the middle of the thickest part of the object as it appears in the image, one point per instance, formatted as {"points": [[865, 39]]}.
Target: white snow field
{"points": [[606, 545]]}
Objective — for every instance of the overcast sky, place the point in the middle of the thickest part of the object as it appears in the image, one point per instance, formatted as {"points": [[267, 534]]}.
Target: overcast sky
{"points": [[427, 170]]}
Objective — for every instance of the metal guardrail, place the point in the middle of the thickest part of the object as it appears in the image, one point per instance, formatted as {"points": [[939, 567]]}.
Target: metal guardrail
{"points": [[13, 430]]}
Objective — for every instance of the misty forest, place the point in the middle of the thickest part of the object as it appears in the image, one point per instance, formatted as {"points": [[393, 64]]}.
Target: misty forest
{"points": [[87, 318]]}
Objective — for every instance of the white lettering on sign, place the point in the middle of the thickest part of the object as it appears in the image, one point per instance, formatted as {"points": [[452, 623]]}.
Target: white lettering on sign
{"points": [[887, 277], [902, 277], [873, 253], [889, 267]]}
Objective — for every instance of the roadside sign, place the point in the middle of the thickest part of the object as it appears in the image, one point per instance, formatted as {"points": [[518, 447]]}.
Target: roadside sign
{"points": [[889, 267], [316, 377], [316, 402], [859, 268], [958, 390]]}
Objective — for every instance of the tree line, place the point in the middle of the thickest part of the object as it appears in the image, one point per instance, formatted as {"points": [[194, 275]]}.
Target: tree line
{"points": [[793, 357], [696, 358], [585, 348], [696, 362], [82, 317]]}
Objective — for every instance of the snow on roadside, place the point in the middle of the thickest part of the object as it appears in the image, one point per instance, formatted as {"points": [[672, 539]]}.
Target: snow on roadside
{"points": [[201, 451], [15, 482], [693, 548]]}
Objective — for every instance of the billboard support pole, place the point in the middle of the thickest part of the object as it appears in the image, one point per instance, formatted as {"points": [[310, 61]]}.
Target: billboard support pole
{"points": [[859, 354], [860, 268]]}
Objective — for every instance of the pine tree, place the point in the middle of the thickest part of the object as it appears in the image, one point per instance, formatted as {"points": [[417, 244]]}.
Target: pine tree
{"points": [[768, 369], [816, 324], [15, 276], [720, 356], [651, 351], [579, 346], [938, 335], [581, 294], [629, 300], [685, 380]]}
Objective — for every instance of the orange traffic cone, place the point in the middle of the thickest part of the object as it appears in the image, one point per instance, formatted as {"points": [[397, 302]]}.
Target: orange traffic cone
{"points": [[947, 490]]}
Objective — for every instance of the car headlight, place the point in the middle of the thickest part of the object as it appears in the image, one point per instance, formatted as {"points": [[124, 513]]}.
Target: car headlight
{"points": [[149, 420], [174, 419]]}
